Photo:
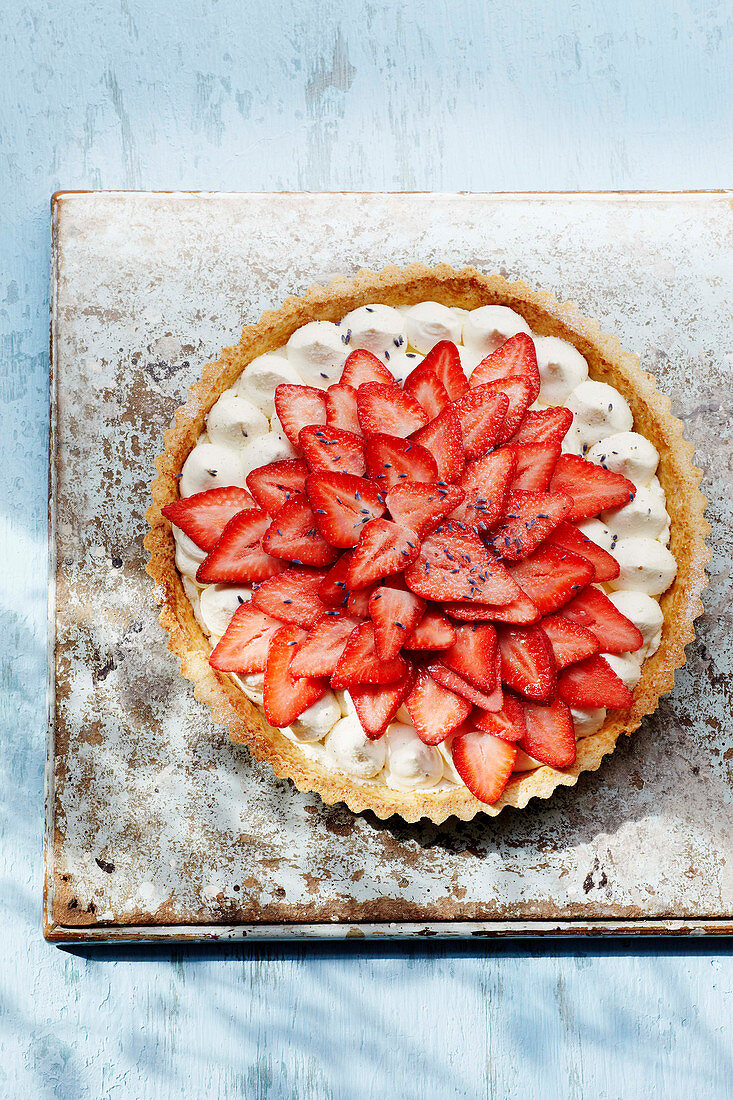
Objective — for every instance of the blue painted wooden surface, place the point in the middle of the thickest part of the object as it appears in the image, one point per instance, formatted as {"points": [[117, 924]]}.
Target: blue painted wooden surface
{"points": [[373, 94]]}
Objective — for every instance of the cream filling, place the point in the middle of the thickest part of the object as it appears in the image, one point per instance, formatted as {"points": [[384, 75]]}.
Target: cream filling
{"points": [[243, 432]]}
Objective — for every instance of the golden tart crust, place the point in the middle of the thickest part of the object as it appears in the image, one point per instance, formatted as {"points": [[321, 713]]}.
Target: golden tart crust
{"points": [[607, 362]]}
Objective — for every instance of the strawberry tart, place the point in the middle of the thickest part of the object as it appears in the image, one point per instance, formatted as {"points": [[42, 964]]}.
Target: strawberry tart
{"points": [[428, 542]]}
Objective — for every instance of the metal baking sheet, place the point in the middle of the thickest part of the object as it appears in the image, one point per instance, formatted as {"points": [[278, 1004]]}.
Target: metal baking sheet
{"points": [[157, 826]]}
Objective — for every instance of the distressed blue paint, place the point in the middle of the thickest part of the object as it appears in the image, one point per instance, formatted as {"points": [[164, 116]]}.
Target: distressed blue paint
{"points": [[320, 95]]}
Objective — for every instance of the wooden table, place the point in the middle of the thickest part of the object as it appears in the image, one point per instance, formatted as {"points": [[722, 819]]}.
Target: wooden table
{"points": [[205, 94]]}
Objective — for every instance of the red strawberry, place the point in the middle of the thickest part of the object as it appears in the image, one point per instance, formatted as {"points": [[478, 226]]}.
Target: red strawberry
{"points": [[444, 440], [243, 647], [360, 664], [341, 408], [593, 683], [485, 483], [570, 537], [484, 763], [318, 654], [285, 696], [342, 505], [358, 602], [434, 632], [391, 461], [362, 367], [445, 361], [455, 565], [383, 548], [238, 556], [331, 449], [521, 610], [528, 520], [377, 704], [293, 536], [333, 590], [593, 610], [481, 414], [292, 597], [204, 516], [507, 723], [395, 615], [427, 389], [544, 426], [434, 710], [298, 406], [388, 410], [550, 736], [520, 398], [527, 663], [570, 641], [473, 655], [449, 679], [277, 482], [421, 506], [516, 358], [591, 488], [552, 576], [535, 465]]}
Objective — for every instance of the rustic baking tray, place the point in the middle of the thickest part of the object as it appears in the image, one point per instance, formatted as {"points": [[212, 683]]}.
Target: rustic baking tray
{"points": [[158, 828]]}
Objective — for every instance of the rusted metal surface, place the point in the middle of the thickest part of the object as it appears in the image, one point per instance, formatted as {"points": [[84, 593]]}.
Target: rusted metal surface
{"points": [[158, 826]]}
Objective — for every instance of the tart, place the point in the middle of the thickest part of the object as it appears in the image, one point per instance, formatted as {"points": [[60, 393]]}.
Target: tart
{"points": [[427, 542]]}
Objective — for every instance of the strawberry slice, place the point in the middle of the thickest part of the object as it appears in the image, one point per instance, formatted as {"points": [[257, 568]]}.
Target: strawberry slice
{"points": [[593, 683], [552, 576], [332, 449], [292, 597], [507, 723], [287, 696], [342, 504], [298, 406], [358, 602], [520, 398], [485, 481], [481, 414], [377, 704], [449, 679], [333, 590], [238, 556], [361, 664], [383, 548], [395, 615], [521, 610], [550, 736], [527, 663], [544, 426], [444, 360], [421, 506], [434, 710], [535, 465], [454, 564], [204, 516], [277, 482], [443, 438], [570, 537], [388, 410], [570, 641], [427, 389], [434, 632], [243, 646], [591, 488], [473, 655], [341, 408], [516, 358], [391, 461], [319, 653], [484, 763], [362, 367], [593, 610], [528, 520], [293, 536]]}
